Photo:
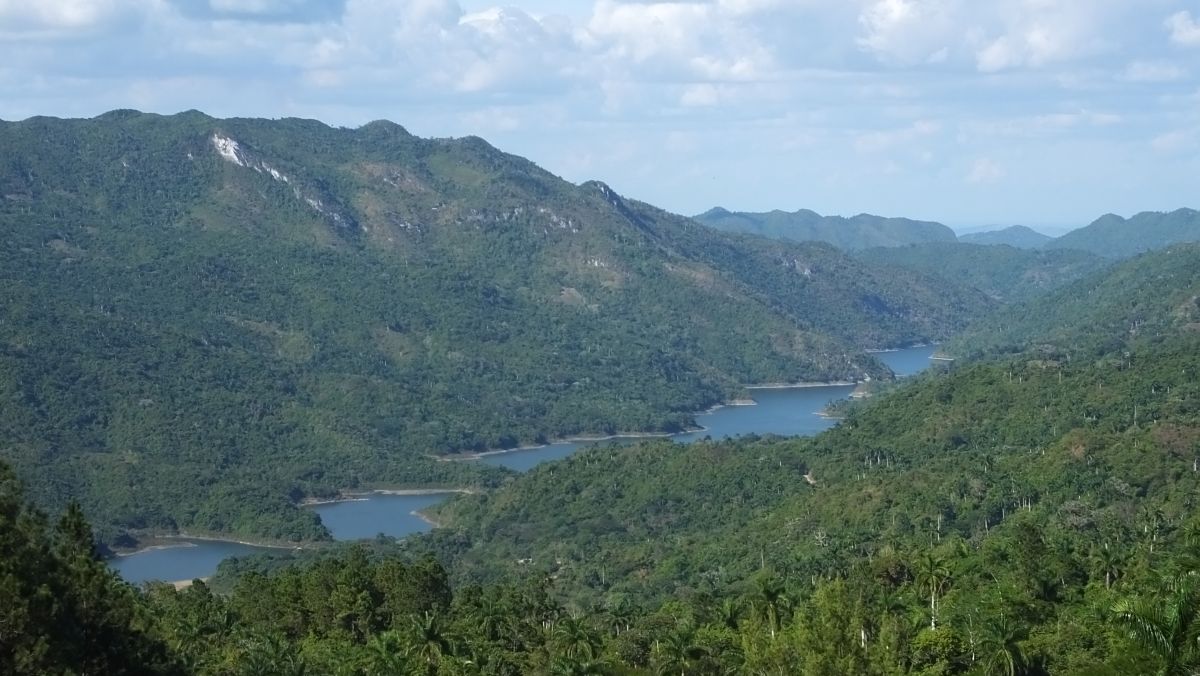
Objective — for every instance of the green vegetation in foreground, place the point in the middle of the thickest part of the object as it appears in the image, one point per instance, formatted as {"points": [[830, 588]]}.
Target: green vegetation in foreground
{"points": [[1025, 515], [1112, 236], [857, 232], [206, 320], [1028, 515], [1005, 273]]}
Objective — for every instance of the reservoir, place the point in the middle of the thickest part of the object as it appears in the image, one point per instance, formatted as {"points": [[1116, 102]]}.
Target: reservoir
{"points": [[790, 411]]}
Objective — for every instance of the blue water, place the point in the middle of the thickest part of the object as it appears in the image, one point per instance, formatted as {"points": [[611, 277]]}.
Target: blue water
{"points": [[907, 362], [787, 411], [191, 559], [390, 515]]}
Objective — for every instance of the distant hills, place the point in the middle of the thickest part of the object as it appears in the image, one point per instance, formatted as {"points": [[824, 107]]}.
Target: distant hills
{"points": [[1112, 236], [1017, 236], [206, 320], [1109, 236], [1149, 298], [1003, 272], [857, 232]]}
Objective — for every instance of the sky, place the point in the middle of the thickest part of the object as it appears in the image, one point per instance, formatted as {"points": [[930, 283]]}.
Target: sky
{"points": [[972, 112]]}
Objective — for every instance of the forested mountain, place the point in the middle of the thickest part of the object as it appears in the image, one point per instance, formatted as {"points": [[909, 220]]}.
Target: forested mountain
{"points": [[1026, 515], [205, 320], [1115, 237], [857, 232], [1153, 296], [1017, 236], [1040, 505], [1002, 272]]}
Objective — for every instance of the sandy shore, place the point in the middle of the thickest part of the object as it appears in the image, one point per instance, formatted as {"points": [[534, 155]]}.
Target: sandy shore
{"points": [[426, 518], [180, 585], [151, 548]]}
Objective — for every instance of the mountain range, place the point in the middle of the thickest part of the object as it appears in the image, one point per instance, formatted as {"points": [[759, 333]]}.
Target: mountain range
{"points": [[264, 311], [857, 232], [1109, 236]]}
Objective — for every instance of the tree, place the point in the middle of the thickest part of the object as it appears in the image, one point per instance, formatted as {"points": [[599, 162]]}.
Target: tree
{"points": [[677, 653], [1166, 623], [1001, 644], [771, 601], [933, 575], [429, 641]]}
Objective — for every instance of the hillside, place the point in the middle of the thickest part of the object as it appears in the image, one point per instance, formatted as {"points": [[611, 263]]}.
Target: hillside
{"points": [[1044, 494], [1150, 297], [1112, 236], [1002, 272], [857, 232], [1017, 236], [265, 310]]}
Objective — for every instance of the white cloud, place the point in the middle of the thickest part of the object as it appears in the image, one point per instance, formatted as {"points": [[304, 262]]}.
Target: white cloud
{"points": [[699, 95], [985, 170], [1153, 71], [681, 40], [1185, 30], [1176, 141], [52, 18], [909, 32], [879, 141]]}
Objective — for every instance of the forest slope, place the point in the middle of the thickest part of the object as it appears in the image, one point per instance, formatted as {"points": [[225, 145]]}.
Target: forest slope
{"points": [[263, 310], [1112, 236], [1003, 272]]}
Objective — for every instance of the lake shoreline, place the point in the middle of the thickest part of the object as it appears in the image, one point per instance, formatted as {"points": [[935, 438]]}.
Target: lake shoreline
{"points": [[361, 496], [479, 455], [161, 541]]}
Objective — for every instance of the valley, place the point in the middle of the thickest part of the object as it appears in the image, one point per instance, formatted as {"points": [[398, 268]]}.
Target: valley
{"points": [[775, 411], [486, 420]]}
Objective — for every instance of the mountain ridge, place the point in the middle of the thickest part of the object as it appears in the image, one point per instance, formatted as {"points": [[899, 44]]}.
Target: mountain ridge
{"points": [[280, 309]]}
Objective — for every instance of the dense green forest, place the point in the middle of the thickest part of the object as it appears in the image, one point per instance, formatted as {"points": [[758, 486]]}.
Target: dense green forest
{"points": [[1020, 602], [1003, 272], [1028, 514], [1006, 518], [1149, 296], [266, 310], [856, 232], [1112, 236]]}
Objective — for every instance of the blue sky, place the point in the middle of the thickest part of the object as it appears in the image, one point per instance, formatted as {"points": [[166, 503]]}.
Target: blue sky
{"points": [[971, 112]]}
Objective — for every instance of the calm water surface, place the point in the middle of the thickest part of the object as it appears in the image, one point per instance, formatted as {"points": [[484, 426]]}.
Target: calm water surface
{"points": [[191, 559], [788, 412], [391, 515], [907, 362]]}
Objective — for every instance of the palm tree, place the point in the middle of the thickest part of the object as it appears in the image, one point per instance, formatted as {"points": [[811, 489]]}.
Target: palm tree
{"points": [[677, 652], [567, 666], [1110, 563], [269, 655], [729, 613], [386, 654], [429, 641], [771, 601], [1002, 644], [1167, 623], [933, 574], [575, 638]]}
